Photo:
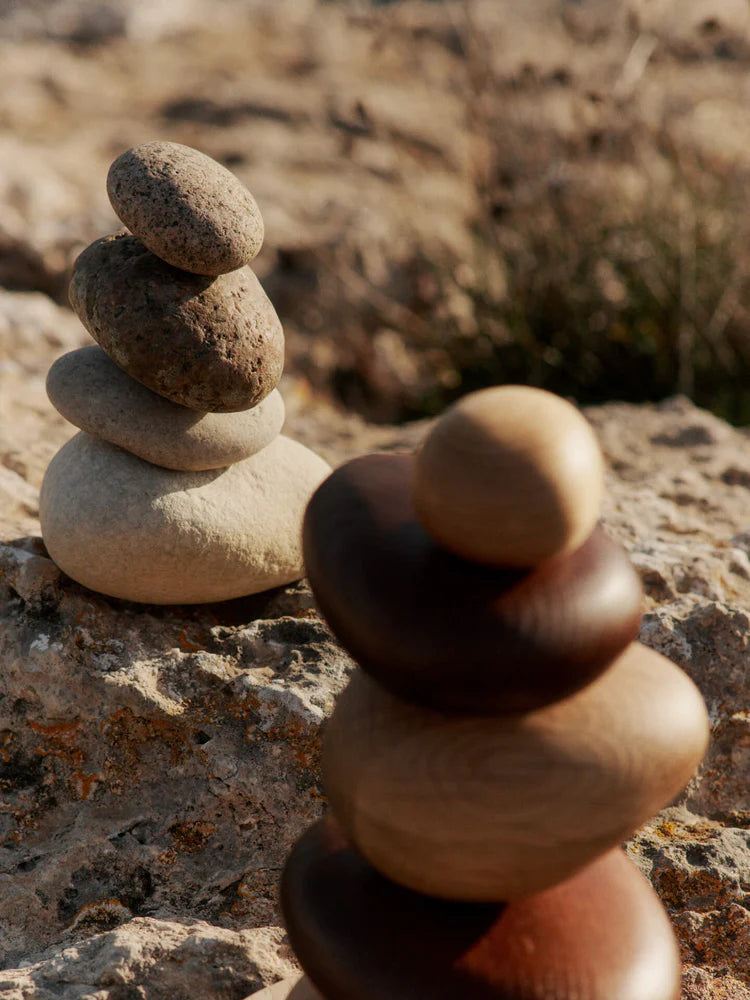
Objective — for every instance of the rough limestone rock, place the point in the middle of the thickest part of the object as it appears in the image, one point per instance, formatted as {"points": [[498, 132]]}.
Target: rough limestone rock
{"points": [[156, 763], [678, 498], [93, 393], [156, 766], [156, 958], [295, 988], [129, 529], [93, 23], [207, 343], [185, 207]]}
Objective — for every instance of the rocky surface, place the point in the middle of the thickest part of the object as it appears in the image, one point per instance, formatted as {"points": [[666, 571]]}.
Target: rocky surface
{"points": [[156, 958], [677, 497], [157, 763]]}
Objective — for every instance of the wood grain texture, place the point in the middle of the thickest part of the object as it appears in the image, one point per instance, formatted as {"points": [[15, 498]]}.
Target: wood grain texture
{"points": [[601, 935], [509, 476], [295, 988], [448, 633], [495, 807]]}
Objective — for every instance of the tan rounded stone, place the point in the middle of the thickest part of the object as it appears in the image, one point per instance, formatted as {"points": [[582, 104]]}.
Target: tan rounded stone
{"points": [[509, 476], [185, 207], [132, 530], [96, 395], [496, 807]]}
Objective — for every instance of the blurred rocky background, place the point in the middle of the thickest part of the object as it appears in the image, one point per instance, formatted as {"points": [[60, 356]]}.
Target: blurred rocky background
{"points": [[456, 194]]}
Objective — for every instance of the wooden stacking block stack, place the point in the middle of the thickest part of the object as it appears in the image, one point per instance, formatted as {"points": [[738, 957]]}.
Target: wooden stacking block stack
{"points": [[505, 732]]}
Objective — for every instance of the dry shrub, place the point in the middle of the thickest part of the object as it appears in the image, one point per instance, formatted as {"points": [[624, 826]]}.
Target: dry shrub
{"points": [[609, 256]]}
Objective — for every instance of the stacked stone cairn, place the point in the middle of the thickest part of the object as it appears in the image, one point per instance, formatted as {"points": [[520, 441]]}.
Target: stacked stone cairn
{"points": [[179, 487], [505, 734]]}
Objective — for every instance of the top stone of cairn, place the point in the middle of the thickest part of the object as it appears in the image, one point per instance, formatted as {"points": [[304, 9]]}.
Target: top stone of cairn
{"points": [[509, 476], [185, 207]]}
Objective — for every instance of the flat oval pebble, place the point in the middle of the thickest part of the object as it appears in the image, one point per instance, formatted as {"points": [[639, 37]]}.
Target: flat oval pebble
{"points": [[132, 530], [449, 633], [601, 935], [185, 207], [496, 807], [212, 344], [96, 395], [509, 476]]}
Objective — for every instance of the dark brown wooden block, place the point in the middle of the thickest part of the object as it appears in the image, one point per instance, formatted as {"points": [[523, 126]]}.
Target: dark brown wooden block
{"points": [[452, 634], [602, 935]]}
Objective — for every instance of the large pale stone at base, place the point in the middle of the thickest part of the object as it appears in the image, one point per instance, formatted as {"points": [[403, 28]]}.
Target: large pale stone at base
{"points": [[132, 530]]}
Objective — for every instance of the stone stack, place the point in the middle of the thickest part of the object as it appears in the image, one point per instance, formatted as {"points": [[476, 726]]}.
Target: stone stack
{"points": [[505, 734], [179, 487]]}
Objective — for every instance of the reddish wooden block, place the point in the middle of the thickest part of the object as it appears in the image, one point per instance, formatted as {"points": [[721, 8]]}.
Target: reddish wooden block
{"points": [[601, 935]]}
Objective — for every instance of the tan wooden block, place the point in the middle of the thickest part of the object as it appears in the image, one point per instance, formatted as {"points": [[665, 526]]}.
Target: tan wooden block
{"points": [[495, 807], [509, 476]]}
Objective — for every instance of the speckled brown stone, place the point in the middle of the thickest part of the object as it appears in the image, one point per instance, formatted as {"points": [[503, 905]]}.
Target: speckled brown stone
{"points": [[185, 207], [213, 344]]}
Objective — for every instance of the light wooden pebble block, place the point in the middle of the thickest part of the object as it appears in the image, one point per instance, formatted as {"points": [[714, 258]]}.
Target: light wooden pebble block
{"points": [[496, 807], [509, 476], [294, 988]]}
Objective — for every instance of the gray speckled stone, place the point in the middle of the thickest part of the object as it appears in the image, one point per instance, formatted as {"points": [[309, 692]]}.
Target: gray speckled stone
{"points": [[208, 343], [185, 207], [129, 529], [93, 393]]}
